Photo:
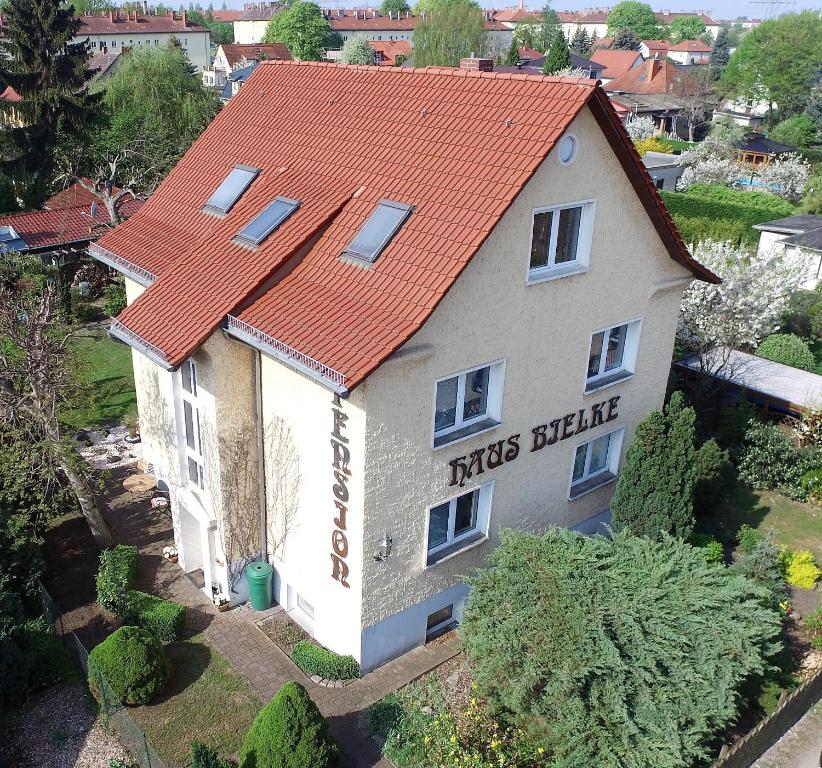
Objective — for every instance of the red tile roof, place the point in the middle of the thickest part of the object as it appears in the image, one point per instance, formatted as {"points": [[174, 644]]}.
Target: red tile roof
{"points": [[226, 16], [530, 54], [459, 146], [657, 45], [236, 52], [9, 94], [616, 62], [652, 76], [691, 46], [123, 22], [388, 50]]}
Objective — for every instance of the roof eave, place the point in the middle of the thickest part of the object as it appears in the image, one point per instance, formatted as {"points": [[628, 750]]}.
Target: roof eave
{"points": [[122, 265], [121, 332]]}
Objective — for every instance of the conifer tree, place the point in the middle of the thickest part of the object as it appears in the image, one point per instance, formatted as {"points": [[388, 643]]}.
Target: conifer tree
{"points": [[50, 74], [625, 40], [581, 42], [720, 54], [512, 57], [558, 56], [655, 490]]}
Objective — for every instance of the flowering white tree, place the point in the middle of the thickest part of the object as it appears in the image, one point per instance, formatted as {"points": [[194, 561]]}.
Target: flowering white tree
{"points": [[744, 308], [712, 161], [787, 176], [640, 128], [357, 50], [571, 72]]}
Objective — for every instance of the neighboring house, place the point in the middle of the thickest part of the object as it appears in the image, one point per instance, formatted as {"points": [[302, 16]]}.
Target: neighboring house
{"points": [[654, 49], [615, 64], [533, 62], [370, 350], [594, 22], [229, 57], [10, 116], [106, 65], [250, 25], [235, 81], [229, 16], [114, 31], [60, 233], [749, 113], [690, 52], [666, 18], [390, 53], [800, 237], [664, 169], [756, 149]]}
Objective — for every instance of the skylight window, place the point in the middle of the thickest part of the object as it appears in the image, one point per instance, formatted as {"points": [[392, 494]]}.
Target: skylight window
{"points": [[378, 230], [231, 188], [265, 222]]}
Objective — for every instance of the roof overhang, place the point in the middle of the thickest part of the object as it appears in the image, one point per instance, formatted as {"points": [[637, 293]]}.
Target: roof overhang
{"points": [[120, 332], [126, 267]]}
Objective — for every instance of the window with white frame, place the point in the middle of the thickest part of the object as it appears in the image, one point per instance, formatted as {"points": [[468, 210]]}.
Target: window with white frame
{"points": [[468, 402], [439, 621], [194, 466], [457, 523], [596, 462], [561, 240], [612, 355]]}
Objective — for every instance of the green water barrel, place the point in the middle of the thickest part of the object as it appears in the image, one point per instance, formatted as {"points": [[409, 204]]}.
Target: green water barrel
{"points": [[259, 584]]}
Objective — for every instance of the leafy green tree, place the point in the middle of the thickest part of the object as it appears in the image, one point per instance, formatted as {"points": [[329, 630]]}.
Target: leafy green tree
{"points": [[638, 17], [222, 32], [559, 57], [50, 73], [302, 27], [720, 54], [512, 57], [615, 652], [688, 28], [796, 131], [394, 6], [581, 42], [778, 61], [655, 491], [625, 40], [449, 32], [357, 50], [289, 732]]}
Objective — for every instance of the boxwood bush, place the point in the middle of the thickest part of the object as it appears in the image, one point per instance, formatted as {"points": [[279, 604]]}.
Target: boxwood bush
{"points": [[132, 663], [165, 619], [788, 349], [314, 660], [118, 569]]}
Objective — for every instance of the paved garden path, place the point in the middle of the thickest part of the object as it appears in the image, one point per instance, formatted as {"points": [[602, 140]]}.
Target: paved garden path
{"points": [[263, 665], [800, 747]]}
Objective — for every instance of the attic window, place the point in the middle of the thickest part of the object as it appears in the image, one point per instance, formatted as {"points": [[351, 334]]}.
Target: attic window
{"points": [[265, 222], [232, 187], [378, 230]]}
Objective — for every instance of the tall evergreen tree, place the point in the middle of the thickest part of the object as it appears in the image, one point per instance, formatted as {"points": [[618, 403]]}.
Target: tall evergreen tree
{"points": [[512, 57], [625, 40], [558, 57], [50, 74], [655, 491], [549, 28], [720, 53], [581, 42]]}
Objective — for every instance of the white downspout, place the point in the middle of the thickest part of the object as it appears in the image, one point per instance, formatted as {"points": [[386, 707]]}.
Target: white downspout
{"points": [[258, 417]]}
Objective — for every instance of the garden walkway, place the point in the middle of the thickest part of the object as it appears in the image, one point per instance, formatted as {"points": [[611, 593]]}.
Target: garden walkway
{"points": [[263, 665]]}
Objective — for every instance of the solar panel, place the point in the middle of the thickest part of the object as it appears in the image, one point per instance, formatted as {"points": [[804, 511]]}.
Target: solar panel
{"points": [[265, 222], [229, 191], [378, 230]]}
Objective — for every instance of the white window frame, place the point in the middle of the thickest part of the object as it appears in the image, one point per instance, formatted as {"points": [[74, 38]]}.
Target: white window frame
{"points": [[484, 503], [493, 404], [192, 454], [429, 631], [608, 473], [581, 263], [630, 354]]}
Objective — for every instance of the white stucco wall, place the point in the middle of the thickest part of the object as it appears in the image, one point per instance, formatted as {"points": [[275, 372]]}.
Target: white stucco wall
{"points": [[543, 332], [249, 32], [196, 44]]}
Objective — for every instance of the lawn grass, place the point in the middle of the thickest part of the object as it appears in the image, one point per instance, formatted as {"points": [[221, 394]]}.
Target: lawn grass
{"points": [[105, 366], [798, 526], [206, 700]]}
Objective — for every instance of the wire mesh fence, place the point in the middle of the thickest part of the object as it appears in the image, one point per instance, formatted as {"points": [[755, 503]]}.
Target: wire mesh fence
{"points": [[115, 713]]}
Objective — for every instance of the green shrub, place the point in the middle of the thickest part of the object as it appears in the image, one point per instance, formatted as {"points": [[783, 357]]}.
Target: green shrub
{"points": [[315, 660], [803, 315], [712, 550], [714, 473], [118, 569], [801, 569], [114, 299], [787, 349], [289, 732], [84, 312], [203, 756], [132, 662], [48, 658], [797, 131], [165, 619], [695, 229], [764, 564], [748, 538], [812, 485], [813, 625]]}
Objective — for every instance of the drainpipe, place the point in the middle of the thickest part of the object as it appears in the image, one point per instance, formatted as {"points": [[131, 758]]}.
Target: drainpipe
{"points": [[258, 418]]}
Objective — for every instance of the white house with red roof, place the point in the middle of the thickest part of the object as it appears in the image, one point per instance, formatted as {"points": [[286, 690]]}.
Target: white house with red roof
{"points": [[232, 56], [378, 314]]}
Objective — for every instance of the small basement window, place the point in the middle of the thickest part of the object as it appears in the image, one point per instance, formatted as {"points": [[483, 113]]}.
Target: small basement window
{"points": [[439, 622], [265, 222], [232, 187], [378, 230]]}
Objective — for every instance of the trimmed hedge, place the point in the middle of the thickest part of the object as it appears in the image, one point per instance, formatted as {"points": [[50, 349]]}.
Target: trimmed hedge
{"points": [[315, 660], [118, 569], [698, 228], [133, 664], [289, 732], [165, 619], [788, 349]]}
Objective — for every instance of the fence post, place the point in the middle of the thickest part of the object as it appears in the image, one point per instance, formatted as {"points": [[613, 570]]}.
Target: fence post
{"points": [[145, 744]]}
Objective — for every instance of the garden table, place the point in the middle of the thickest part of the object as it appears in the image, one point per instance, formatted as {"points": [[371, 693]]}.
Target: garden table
{"points": [[142, 483]]}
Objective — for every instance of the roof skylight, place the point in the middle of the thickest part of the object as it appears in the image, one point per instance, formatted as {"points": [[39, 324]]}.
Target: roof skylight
{"points": [[378, 230], [231, 188], [265, 222]]}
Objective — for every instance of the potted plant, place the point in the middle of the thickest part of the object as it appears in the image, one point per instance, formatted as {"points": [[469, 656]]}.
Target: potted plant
{"points": [[221, 602], [132, 428], [170, 554]]}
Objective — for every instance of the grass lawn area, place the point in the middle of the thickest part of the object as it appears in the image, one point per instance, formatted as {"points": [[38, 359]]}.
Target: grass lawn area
{"points": [[798, 526], [678, 144], [106, 366], [206, 700]]}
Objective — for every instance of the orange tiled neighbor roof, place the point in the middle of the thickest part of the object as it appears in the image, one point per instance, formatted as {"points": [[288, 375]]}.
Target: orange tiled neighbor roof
{"points": [[387, 50], [616, 62], [652, 76], [236, 52], [459, 146]]}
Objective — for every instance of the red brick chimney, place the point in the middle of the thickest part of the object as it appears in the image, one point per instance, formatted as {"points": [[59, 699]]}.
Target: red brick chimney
{"points": [[477, 65]]}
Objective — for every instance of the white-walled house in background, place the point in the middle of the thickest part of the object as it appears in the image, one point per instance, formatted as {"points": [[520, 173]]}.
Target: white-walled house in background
{"points": [[800, 237], [360, 363]]}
